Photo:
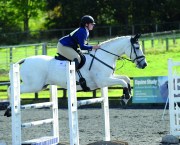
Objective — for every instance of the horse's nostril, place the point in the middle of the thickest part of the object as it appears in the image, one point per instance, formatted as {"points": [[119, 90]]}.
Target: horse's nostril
{"points": [[144, 65]]}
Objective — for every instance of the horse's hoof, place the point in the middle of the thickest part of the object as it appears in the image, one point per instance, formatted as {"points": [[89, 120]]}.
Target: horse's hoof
{"points": [[8, 112], [125, 101], [123, 105]]}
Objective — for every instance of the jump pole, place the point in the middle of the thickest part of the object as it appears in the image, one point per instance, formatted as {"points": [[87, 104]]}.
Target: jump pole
{"points": [[73, 105], [15, 104], [16, 107], [174, 97]]}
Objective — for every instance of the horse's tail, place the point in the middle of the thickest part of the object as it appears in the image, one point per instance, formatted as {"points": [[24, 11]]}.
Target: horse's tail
{"points": [[9, 88], [20, 61]]}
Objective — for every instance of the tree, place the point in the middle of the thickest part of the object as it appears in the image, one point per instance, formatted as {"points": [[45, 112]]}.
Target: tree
{"points": [[7, 21], [67, 13], [26, 9], [8, 24]]}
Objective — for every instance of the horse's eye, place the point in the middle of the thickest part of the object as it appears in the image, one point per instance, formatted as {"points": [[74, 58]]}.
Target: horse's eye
{"points": [[136, 46]]}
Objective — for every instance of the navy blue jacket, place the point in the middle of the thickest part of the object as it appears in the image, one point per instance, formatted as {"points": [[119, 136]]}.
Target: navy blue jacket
{"points": [[76, 39]]}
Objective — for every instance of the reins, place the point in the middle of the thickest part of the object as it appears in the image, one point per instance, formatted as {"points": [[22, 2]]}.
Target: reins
{"points": [[119, 57], [94, 57]]}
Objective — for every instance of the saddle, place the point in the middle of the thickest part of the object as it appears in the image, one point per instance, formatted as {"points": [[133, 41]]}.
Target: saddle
{"points": [[62, 58], [82, 81]]}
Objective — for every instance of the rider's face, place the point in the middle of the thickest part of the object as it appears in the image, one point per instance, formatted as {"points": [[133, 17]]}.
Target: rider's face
{"points": [[90, 26]]}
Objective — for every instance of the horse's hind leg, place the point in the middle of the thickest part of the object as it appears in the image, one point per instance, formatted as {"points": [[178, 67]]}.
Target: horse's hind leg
{"points": [[23, 89], [8, 110]]}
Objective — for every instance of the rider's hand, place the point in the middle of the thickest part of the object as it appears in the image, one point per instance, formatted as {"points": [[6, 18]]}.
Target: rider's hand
{"points": [[96, 47]]}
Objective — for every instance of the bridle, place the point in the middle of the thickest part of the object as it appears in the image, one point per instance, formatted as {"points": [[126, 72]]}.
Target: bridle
{"points": [[133, 48], [137, 57]]}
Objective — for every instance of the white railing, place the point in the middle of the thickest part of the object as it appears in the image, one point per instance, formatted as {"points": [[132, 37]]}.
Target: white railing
{"points": [[16, 108], [174, 96], [73, 105]]}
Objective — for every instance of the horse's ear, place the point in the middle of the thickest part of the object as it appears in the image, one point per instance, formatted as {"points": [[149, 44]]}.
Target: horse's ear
{"points": [[135, 38]]}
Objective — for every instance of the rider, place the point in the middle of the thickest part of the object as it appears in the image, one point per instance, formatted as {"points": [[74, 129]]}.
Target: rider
{"points": [[68, 45]]}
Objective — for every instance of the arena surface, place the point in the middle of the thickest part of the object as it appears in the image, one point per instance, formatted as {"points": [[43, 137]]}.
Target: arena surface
{"points": [[135, 126]]}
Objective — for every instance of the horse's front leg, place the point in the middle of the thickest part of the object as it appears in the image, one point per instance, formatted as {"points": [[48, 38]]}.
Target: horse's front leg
{"points": [[125, 78], [116, 81]]}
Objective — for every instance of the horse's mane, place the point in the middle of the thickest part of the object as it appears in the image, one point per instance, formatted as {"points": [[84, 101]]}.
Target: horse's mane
{"points": [[112, 39]]}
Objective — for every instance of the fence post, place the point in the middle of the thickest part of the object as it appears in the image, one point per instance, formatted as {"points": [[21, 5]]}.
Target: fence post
{"points": [[94, 94], [152, 42], [44, 49], [10, 54], [64, 93], [143, 47], [156, 27], [174, 38], [36, 50], [133, 29], [110, 31], [36, 96], [167, 45]]}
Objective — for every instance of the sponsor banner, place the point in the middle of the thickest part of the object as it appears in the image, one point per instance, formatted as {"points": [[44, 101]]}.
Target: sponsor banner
{"points": [[150, 89]]}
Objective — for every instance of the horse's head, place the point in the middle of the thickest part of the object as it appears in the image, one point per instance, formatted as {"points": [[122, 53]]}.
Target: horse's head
{"points": [[135, 53]]}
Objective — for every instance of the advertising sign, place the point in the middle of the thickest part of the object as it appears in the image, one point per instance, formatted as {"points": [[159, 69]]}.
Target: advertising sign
{"points": [[150, 89]]}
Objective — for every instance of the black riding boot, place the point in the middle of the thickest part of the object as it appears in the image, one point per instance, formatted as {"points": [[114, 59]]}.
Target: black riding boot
{"points": [[82, 80], [76, 63]]}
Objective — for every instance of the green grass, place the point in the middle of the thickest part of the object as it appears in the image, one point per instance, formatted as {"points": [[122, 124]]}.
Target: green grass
{"points": [[157, 65], [156, 57]]}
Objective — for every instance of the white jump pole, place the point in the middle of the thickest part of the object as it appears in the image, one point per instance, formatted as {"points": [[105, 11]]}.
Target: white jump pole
{"points": [[105, 107], [73, 104], [173, 86], [54, 100], [171, 101], [16, 107], [15, 104]]}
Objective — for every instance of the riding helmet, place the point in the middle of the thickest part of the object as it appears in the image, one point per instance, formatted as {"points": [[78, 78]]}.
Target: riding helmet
{"points": [[86, 20]]}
